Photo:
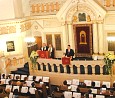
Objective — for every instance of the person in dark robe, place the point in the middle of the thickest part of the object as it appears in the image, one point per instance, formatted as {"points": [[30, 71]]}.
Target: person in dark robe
{"points": [[44, 47], [51, 50], [69, 52]]}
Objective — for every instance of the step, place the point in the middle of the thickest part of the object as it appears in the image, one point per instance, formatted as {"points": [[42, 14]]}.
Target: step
{"points": [[24, 69], [26, 65], [19, 72]]}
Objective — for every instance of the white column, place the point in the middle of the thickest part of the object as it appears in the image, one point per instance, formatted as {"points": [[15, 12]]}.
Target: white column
{"points": [[43, 37], [95, 39], [70, 34], [100, 33], [18, 8], [64, 32]]}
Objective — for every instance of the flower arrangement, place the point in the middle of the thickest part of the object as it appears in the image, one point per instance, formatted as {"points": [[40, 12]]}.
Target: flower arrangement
{"points": [[33, 58], [109, 60]]}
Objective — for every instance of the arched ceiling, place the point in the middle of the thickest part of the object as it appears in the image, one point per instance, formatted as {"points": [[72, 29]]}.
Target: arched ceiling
{"points": [[88, 6]]}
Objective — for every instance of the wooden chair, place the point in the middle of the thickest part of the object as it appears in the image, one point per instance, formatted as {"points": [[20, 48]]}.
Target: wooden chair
{"points": [[3, 95], [63, 88], [57, 95]]}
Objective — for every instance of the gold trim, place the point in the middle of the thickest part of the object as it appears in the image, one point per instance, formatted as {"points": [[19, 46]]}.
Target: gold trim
{"points": [[101, 54]]}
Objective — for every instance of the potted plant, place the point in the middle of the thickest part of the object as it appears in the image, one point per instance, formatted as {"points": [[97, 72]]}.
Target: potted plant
{"points": [[109, 60], [33, 59]]}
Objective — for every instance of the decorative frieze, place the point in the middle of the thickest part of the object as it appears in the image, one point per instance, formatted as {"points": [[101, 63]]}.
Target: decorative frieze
{"points": [[25, 26], [90, 14], [109, 3], [7, 29], [45, 8]]}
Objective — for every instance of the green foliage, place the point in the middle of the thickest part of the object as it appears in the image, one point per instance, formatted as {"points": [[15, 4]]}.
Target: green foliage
{"points": [[34, 57], [109, 60]]}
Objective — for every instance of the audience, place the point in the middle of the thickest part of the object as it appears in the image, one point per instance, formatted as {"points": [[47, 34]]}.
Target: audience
{"points": [[103, 89]]}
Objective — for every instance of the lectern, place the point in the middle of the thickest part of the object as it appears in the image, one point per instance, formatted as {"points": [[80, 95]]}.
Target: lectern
{"points": [[43, 54], [66, 60]]}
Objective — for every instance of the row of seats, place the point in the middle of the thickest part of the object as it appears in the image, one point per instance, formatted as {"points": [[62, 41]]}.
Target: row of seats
{"points": [[24, 85], [78, 91], [74, 69]]}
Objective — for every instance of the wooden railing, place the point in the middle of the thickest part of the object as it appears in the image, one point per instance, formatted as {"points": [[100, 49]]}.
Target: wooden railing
{"points": [[11, 63], [58, 78]]}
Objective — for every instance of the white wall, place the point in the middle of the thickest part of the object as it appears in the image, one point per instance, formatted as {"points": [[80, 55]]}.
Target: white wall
{"points": [[26, 7], [18, 43], [18, 8], [6, 9]]}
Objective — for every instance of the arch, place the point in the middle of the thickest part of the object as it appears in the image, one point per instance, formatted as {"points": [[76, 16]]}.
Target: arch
{"points": [[55, 68], [75, 69], [89, 69], [97, 69], [83, 37], [81, 8], [82, 69]]}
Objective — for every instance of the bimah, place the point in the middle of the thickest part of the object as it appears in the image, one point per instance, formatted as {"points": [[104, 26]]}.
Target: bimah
{"points": [[66, 60], [43, 54]]}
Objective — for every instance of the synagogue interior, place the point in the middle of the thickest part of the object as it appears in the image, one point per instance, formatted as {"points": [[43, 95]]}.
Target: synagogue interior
{"points": [[57, 48]]}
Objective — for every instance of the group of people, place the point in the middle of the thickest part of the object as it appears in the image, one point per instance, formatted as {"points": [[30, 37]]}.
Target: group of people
{"points": [[69, 52], [50, 49]]}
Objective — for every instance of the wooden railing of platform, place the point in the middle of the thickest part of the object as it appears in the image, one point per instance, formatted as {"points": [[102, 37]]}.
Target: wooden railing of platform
{"points": [[57, 78], [11, 63]]}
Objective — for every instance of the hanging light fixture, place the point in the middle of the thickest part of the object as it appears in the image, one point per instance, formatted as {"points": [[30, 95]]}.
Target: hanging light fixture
{"points": [[29, 39], [111, 38]]}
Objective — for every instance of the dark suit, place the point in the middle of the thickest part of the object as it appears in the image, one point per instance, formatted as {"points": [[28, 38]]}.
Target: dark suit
{"points": [[51, 52], [69, 53], [44, 48]]}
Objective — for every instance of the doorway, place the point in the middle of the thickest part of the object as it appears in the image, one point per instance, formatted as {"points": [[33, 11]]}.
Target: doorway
{"points": [[83, 40], [38, 41]]}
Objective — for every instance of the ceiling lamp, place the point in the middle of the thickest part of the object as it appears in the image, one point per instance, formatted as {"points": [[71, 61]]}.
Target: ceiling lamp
{"points": [[111, 38]]}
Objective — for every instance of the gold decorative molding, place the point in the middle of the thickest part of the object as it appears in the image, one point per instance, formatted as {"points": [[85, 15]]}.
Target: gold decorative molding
{"points": [[25, 26], [45, 8], [4, 30], [81, 7], [101, 54], [12, 29], [109, 3]]}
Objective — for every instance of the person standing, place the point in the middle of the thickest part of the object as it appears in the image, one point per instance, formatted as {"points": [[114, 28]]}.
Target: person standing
{"points": [[44, 47], [69, 52], [51, 50]]}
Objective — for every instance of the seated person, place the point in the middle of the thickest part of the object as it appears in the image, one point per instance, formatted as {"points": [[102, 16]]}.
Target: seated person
{"points": [[34, 78], [111, 92], [24, 84], [69, 52], [87, 94], [15, 93], [64, 87], [103, 89], [78, 90]]}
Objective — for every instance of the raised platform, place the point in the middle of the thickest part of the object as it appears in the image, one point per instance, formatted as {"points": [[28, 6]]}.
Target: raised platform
{"points": [[58, 78]]}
